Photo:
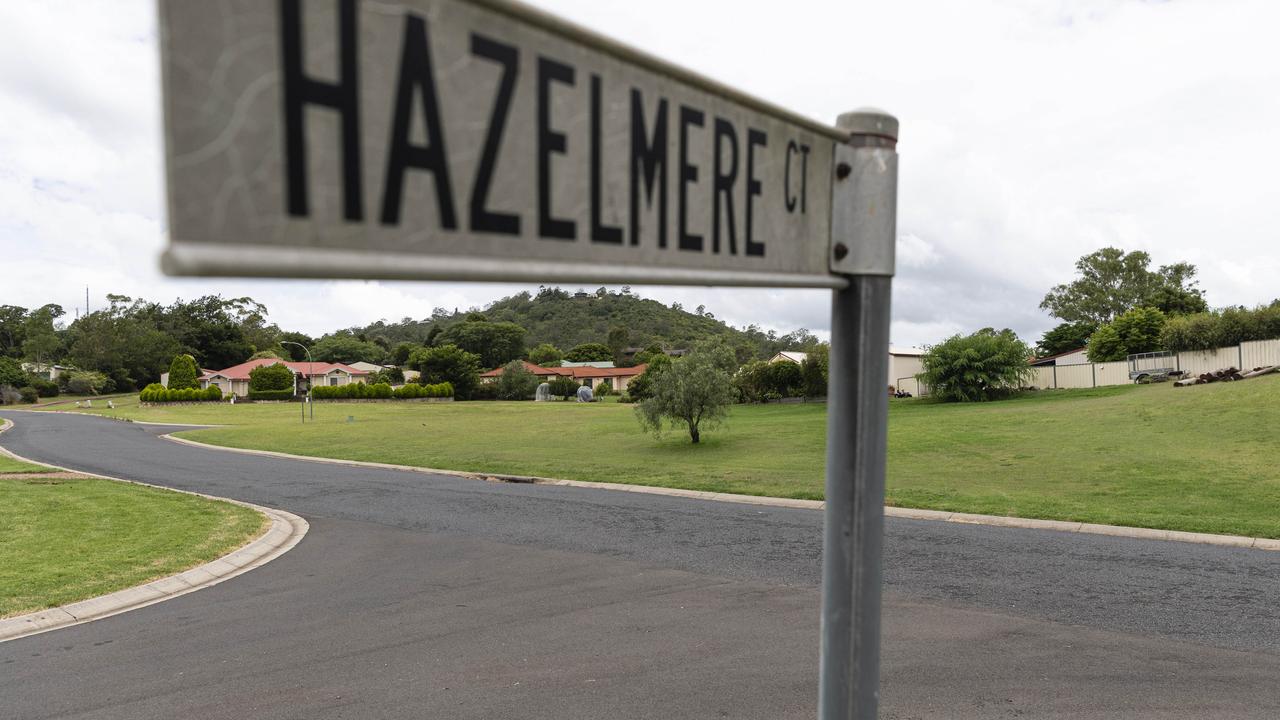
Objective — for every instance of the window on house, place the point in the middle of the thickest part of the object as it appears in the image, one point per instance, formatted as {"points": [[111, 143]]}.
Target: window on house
{"points": [[333, 380]]}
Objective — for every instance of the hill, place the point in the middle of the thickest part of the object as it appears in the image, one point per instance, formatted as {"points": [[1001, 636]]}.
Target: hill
{"points": [[567, 319]]}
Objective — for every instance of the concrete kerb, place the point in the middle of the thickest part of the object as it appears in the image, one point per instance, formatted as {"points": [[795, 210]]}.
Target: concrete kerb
{"points": [[284, 531], [896, 512]]}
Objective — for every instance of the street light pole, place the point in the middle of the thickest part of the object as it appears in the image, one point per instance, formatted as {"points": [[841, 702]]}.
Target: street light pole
{"points": [[310, 374]]}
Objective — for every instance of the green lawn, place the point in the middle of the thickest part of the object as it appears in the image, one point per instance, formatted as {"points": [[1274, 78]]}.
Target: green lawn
{"points": [[1203, 458], [9, 465], [67, 540]]}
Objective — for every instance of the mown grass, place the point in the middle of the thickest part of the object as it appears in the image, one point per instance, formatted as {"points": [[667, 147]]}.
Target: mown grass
{"points": [[65, 540], [9, 465], [1202, 459]]}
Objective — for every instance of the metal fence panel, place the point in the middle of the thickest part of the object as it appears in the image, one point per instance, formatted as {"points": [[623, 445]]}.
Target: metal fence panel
{"points": [[1203, 361], [1113, 373], [1260, 353]]}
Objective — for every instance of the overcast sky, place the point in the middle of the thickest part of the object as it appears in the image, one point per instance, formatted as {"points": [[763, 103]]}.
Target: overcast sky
{"points": [[1032, 133]]}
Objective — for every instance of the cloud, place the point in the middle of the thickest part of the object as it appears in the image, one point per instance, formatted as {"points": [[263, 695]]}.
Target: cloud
{"points": [[1032, 133]]}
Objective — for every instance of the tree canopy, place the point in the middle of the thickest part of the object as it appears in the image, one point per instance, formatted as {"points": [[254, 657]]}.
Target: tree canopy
{"points": [[986, 365], [448, 363], [1065, 338], [1111, 282], [1136, 331], [694, 392], [495, 343]]}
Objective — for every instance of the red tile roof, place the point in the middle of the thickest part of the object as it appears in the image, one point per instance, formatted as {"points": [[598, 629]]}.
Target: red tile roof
{"points": [[577, 373], [304, 368]]}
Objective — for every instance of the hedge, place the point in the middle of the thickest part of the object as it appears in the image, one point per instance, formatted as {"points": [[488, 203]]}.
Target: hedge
{"points": [[270, 394], [380, 391], [157, 393]]}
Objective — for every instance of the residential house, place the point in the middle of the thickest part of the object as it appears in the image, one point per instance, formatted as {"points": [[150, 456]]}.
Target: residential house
{"points": [[1070, 357], [235, 380], [46, 371], [583, 373], [904, 364]]}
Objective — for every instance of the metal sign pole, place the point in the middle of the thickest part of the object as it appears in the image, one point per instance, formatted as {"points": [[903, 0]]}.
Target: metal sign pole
{"points": [[863, 232]]}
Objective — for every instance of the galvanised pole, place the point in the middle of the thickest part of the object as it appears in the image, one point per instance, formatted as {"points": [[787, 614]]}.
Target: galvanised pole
{"points": [[864, 209]]}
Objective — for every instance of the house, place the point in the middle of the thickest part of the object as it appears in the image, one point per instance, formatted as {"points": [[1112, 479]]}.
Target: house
{"points": [[904, 364], [235, 379], [1078, 356], [45, 370], [583, 373]]}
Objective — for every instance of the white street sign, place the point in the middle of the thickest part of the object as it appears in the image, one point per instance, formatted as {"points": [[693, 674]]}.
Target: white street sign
{"points": [[442, 139]]}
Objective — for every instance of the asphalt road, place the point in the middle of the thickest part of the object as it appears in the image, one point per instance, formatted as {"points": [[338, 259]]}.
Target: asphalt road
{"points": [[433, 596]]}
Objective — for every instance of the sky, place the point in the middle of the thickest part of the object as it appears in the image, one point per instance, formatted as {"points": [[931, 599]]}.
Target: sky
{"points": [[1033, 132]]}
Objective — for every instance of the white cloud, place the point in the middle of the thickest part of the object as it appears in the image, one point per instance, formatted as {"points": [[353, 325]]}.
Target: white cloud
{"points": [[1033, 133]]}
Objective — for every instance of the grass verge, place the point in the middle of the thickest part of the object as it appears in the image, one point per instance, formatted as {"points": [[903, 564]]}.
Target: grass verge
{"points": [[1201, 459], [64, 540]]}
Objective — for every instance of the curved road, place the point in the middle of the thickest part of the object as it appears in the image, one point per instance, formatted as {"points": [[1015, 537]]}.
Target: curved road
{"points": [[432, 596]]}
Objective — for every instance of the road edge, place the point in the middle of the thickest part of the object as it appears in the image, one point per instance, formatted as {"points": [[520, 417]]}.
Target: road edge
{"points": [[283, 533], [1140, 533]]}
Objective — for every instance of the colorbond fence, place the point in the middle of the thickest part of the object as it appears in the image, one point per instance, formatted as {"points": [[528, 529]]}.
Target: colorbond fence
{"points": [[1259, 353]]}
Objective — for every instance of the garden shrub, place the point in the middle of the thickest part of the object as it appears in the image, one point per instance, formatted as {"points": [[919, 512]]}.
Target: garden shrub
{"points": [[28, 394], [213, 393], [516, 383], [9, 395], [603, 388], [45, 388], [183, 373], [84, 382], [486, 391], [565, 387], [983, 366], [274, 377]]}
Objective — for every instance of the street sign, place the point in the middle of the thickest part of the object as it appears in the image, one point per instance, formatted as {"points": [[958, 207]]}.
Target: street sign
{"points": [[485, 140], [439, 139]]}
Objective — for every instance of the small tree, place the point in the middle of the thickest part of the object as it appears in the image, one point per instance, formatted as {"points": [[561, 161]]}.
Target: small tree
{"points": [[590, 352], [11, 373], [1136, 331], [448, 363], [1065, 337], [752, 381], [565, 387], [604, 388], [270, 377], [86, 382], [983, 366], [546, 355], [784, 378], [183, 373], [813, 372], [695, 392], [516, 383]]}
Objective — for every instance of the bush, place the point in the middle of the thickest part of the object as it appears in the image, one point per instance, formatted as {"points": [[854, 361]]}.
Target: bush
{"points": [[642, 386], [784, 378], [275, 377], [1136, 331], [516, 383], [1221, 328], [86, 382], [183, 373], [9, 395], [448, 363], [983, 366], [604, 388], [213, 393], [11, 373], [486, 391], [379, 391], [271, 394], [45, 388], [565, 387], [151, 392], [28, 394]]}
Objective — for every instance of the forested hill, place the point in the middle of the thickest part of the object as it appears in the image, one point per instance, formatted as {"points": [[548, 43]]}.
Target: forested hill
{"points": [[567, 319]]}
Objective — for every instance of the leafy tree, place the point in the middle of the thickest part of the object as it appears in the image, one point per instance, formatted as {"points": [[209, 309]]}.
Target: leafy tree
{"points": [[784, 378], [344, 348], [183, 373], [122, 341], [1136, 331], [496, 343], [1112, 282], [590, 352], [641, 388], [400, 355], [752, 381], [87, 382], [209, 328], [617, 341], [695, 392], [648, 354], [265, 354], [983, 366], [1106, 345], [11, 372], [516, 383], [275, 376], [1065, 338], [448, 363], [813, 371], [42, 343], [546, 355], [1221, 328], [293, 352], [12, 329]]}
